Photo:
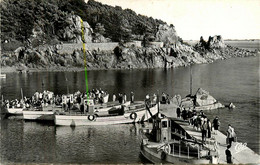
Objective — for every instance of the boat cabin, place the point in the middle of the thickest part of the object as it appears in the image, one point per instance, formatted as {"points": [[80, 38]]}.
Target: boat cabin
{"points": [[168, 130]]}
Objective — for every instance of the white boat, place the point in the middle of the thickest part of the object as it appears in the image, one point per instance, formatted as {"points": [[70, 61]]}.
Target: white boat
{"points": [[38, 115], [2, 75], [105, 109], [130, 116], [45, 113], [169, 143], [14, 111]]}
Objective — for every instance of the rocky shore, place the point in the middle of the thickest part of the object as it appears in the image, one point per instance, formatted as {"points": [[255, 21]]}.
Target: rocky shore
{"points": [[48, 58], [53, 41]]}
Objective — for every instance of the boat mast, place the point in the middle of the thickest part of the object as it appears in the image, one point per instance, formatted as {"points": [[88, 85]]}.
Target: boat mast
{"points": [[67, 84], [190, 80], [42, 85], [22, 93]]}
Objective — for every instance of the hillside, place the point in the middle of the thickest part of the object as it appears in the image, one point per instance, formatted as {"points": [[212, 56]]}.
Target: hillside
{"points": [[45, 21]]}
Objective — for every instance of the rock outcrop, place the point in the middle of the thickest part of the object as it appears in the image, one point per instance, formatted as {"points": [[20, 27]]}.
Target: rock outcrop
{"points": [[166, 34], [49, 57], [73, 32], [216, 42]]}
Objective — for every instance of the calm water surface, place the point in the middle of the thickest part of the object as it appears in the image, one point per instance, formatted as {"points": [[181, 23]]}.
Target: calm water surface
{"points": [[235, 80]]}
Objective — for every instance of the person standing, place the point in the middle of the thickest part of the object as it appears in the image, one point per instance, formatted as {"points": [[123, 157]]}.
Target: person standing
{"points": [[132, 97], [154, 98], [228, 154], [124, 98], [120, 98], [114, 97], [184, 114], [178, 111], [209, 128], [204, 129], [163, 98], [216, 125], [147, 101], [82, 108], [230, 134]]}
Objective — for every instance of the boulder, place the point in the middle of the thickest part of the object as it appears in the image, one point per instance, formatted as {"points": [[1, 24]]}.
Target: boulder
{"points": [[166, 34], [204, 98], [216, 42], [73, 32]]}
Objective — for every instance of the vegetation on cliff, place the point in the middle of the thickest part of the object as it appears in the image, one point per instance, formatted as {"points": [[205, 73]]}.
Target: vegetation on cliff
{"points": [[21, 19]]}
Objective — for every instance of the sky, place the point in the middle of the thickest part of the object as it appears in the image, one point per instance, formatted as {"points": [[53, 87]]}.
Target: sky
{"points": [[233, 19]]}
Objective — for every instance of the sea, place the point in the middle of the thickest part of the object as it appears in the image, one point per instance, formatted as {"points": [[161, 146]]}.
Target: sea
{"points": [[234, 80]]}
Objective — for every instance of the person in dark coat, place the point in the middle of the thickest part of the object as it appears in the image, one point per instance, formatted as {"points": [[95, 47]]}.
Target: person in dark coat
{"points": [[163, 98], [178, 111], [216, 125], [209, 128], [184, 114], [228, 155], [82, 108]]}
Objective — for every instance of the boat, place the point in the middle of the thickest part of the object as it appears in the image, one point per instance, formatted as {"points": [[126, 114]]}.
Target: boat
{"points": [[42, 113], [47, 112], [2, 75], [15, 107], [168, 142], [134, 113], [14, 110]]}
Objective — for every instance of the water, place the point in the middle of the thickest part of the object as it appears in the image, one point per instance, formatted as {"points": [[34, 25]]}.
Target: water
{"points": [[235, 80], [250, 45]]}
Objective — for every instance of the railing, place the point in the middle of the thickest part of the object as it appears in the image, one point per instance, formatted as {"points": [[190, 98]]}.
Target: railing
{"points": [[180, 152]]}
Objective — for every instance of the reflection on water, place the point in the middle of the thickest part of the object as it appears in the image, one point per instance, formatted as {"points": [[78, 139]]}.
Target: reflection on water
{"points": [[234, 80], [34, 142]]}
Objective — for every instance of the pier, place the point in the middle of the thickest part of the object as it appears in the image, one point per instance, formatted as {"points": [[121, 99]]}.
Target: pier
{"points": [[241, 154]]}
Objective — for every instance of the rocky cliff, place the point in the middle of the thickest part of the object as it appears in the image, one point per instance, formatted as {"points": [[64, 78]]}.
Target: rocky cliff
{"points": [[121, 57]]}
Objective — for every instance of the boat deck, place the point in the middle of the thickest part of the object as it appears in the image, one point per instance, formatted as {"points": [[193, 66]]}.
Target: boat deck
{"points": [[241, 153]]}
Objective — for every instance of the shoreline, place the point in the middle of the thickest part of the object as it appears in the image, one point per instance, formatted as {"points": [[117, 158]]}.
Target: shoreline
{"points": [[14, 69]]}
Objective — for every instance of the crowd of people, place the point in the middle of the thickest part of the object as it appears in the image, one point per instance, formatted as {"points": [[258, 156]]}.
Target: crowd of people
{"points": [[45, 98], [199, 121]]}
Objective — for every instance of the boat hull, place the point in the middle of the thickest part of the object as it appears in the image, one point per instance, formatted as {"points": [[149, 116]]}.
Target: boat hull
{"points": [[79, 120], [154, 156], [38, 115], [14, 111], [2, 75]]}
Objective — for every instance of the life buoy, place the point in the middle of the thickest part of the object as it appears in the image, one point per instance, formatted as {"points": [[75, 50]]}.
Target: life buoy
{"points": [[163, 155], [133, 116], [167, 149], [91, 117]]}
